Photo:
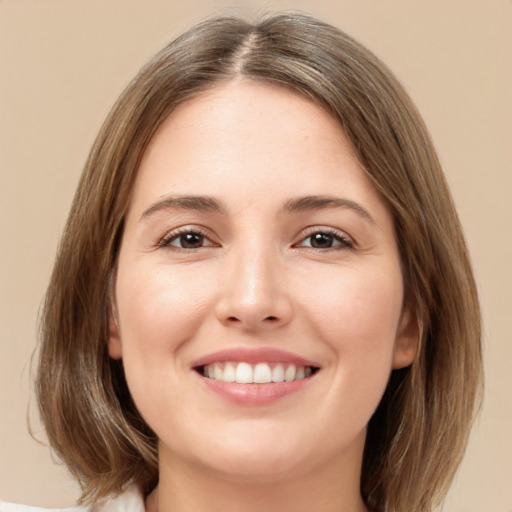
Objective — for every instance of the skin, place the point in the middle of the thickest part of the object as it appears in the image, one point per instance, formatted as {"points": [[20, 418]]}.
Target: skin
{"points": [[256, 281]]}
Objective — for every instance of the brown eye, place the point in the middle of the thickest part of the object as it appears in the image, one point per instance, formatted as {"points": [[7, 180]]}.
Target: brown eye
{"points": [[187, 240], [326, 240], [321, 240], [190, 240]]}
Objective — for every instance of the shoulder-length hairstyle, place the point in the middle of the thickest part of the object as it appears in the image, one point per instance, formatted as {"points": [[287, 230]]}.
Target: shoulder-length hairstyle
{"points": [[418, 434]]}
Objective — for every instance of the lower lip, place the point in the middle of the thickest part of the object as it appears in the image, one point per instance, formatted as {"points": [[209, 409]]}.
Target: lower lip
{"points": [[254, 394]]}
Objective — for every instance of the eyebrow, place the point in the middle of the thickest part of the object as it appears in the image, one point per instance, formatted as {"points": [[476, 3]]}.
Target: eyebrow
{"points": [[299, 204], [198, 203], [306, 203]]}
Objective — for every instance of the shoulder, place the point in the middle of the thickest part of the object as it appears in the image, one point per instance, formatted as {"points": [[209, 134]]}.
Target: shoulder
{"points": [[129, 501], [17, 507]]}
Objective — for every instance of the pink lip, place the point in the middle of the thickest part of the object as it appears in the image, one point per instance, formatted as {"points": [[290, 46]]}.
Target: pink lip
{"points": [[253, 356], [253, 394]]}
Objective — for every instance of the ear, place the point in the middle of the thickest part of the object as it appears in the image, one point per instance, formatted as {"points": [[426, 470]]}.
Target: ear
{"points": [[407, 339], [114, 341]]}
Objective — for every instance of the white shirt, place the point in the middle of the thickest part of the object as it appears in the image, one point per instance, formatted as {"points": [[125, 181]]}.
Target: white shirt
{"points": [[130, 500]]}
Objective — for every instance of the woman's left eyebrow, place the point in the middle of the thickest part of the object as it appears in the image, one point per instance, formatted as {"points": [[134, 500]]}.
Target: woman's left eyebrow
{"points": [[199, 203], [316, 202]]}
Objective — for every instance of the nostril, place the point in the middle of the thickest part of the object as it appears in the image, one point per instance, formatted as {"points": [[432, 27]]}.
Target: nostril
{"points": [[267, 319]]}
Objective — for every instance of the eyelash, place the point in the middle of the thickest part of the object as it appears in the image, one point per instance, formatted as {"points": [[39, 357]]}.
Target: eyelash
{"points": [[167, 240], [345, 242]]}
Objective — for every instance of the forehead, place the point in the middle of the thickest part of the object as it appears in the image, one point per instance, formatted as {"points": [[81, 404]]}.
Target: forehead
{"points": [[250, 138]]}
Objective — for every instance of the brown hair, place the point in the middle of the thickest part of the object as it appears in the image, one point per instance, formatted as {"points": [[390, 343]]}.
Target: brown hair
{"points": [[418, 434]]}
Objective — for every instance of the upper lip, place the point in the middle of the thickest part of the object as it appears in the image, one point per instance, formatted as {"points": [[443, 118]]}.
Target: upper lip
{"points": [[253, 356]]}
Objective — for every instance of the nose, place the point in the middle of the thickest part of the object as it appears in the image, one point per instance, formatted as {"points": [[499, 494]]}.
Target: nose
{"points": [[253, 295]]}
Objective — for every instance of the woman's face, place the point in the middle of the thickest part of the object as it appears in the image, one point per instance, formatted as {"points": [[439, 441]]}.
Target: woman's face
{"points": [[256, 249]]}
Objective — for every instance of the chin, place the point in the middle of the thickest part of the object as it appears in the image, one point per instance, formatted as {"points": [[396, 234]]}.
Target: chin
{"points": [[255, 466], [249, 455]]}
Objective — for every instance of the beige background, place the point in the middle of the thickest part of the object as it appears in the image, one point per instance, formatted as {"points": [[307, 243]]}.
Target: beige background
{"points": [[63, 63]]}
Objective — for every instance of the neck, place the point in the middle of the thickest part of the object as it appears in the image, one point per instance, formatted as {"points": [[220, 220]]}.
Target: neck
{"points": [[330, 487]]}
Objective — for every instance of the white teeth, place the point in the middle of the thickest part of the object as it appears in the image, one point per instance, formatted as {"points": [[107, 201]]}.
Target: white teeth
{"points": [[217, 372], [229, 373], [244, 373], [261, 373], [290, 372], [278, 373]]}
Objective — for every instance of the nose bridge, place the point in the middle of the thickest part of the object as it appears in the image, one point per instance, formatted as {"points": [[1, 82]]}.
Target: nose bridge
{"points": [[253, 294], [252, 281]]}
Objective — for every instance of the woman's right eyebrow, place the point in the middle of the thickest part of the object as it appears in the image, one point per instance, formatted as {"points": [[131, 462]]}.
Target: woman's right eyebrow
{"points": [[199, 203]]}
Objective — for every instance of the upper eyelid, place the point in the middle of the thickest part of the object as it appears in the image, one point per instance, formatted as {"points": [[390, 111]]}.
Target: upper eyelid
{"points": [[311, 230], [176, 232]]}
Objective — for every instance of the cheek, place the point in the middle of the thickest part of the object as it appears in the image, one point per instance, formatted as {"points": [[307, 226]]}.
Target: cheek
{"points": [[364, 317], [357, 316], [158, 309], [159, 312], [360, 309]]}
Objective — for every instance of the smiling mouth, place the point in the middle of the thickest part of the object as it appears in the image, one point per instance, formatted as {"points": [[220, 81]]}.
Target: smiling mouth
{"points": [[260, 373]]}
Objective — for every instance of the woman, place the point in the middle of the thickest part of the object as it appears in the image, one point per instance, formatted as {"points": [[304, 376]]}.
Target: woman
{"points": [[263, 298]]}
